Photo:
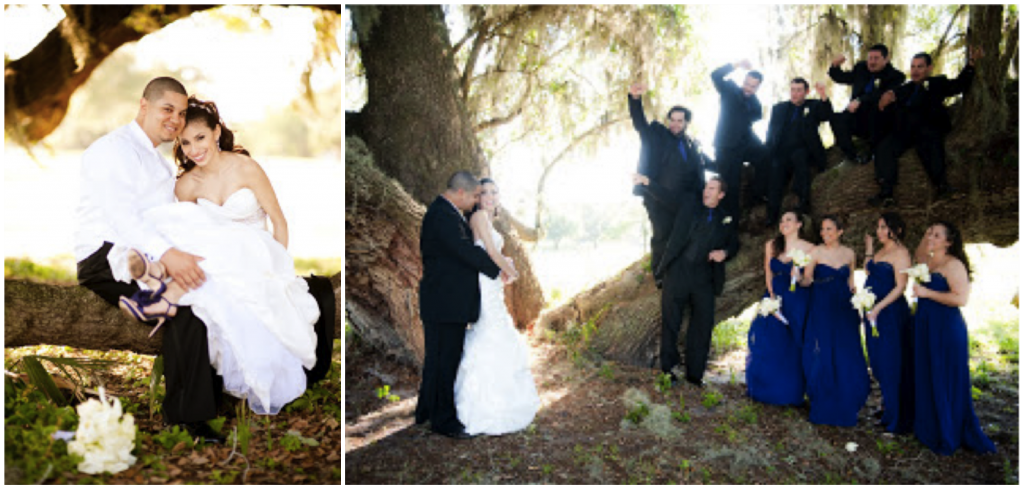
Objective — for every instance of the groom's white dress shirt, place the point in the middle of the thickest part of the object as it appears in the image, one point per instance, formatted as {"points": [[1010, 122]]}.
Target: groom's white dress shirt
{"points": [[122, 175]]}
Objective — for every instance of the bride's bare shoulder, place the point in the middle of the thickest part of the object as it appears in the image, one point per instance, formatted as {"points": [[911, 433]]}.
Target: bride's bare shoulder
{"points": [[185, 187]]}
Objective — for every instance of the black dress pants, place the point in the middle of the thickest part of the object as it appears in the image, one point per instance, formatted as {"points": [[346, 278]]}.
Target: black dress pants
{"points": [[867, 123], [730, 168], [795, 162], [443, 344], [931, 150], [697, 303]]}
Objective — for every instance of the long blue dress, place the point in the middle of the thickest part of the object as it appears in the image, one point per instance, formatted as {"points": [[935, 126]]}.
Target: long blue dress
{"points": [[944, 416], [834, 366], [774, 371], [891, 353]]}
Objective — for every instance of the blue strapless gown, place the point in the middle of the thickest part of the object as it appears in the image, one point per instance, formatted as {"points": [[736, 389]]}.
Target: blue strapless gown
{"points": [[774, 371], [834, 366], [944, 416], [891, 354]]}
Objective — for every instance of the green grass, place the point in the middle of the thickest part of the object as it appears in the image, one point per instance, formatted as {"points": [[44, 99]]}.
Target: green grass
{"points": [[730, 335], [317, 266], [58, 271]]}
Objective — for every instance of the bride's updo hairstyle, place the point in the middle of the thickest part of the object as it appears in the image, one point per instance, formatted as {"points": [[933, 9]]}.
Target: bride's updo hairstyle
{"points": [[204, 111]]}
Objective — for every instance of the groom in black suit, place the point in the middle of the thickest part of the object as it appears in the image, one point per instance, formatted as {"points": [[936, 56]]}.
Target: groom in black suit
{"points": [[693, 270], [449, 299]]}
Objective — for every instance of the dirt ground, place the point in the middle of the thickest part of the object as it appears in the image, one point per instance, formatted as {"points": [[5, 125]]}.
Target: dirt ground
{"points": [[580, 437]]}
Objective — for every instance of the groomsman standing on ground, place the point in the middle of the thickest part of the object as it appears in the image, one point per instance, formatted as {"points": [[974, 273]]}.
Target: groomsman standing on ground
{"points": [[794, 144], [870, 79], [671, 169], [922, 122], [735, 141]]}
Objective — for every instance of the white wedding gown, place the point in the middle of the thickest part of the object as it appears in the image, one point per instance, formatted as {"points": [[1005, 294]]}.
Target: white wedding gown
{"points": [[259, 315], [494, 389]]}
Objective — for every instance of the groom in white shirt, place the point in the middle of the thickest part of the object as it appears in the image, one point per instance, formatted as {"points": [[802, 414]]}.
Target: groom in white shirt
{"points": [[123, 175]]}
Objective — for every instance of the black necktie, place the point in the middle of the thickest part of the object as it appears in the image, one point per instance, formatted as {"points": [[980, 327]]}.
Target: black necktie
{"points": [[913, 95], [796, 111]]}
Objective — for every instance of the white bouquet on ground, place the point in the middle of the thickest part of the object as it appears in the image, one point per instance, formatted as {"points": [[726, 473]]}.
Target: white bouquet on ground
{"points": [[920, 274], [772, 306], [863, 301], [800, 259], [104, 440]]}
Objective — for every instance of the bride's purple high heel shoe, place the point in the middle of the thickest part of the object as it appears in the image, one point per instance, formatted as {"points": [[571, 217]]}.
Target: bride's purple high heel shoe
{"points": [[138, 301], [146, 271]]}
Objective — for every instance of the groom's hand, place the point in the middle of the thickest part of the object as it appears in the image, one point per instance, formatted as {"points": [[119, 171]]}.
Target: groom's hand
{"points": [[183, 268]]}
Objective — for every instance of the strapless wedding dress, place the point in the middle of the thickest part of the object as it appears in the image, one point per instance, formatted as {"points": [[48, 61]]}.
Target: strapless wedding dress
{"points": [[259, 315], [494, 389]]}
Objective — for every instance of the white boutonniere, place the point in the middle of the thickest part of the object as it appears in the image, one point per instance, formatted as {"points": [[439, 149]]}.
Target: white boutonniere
{"points": [[926, 84], [877, 82], [727, 220], [806, 111]]}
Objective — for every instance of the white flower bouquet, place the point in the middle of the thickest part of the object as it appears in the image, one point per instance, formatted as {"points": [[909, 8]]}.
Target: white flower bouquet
{"points": [[800, 259], [862, 301], [104, 440], [771, 306], [920, 274]]}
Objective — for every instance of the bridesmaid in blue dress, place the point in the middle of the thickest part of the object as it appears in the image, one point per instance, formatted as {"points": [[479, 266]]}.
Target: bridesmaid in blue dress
{"points": [[944, 418], [774, 371], [890, 353], [834, 366]]}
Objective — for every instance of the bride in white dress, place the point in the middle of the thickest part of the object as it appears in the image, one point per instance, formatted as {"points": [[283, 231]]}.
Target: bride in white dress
{"points": [[259, 315], [494, 389]]}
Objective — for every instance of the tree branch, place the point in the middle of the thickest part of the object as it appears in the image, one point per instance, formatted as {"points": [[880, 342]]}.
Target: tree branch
{"points": [[945, 35], [512, 114], [71, 315]]}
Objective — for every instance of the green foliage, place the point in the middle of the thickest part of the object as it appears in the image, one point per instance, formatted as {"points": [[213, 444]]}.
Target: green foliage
{"points": [[663, 382], [638, 413], [747, 414], [729, 335], [76, 370], [168, 438], [888, 447], [156, 387], [607, 371], [31, 455], [26, 269], [293, 440], [385, 393], [220, 477], [711, 398], [325, 267]]}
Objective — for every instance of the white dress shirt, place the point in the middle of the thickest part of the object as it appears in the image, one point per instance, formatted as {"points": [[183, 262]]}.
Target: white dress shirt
{"points": [[122, 175]]}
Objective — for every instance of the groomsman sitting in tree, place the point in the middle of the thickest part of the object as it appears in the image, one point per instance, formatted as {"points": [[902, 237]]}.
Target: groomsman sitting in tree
{"points": [[671, 172], [794, 143], [870, 79], [922, 122], [735, 141]]}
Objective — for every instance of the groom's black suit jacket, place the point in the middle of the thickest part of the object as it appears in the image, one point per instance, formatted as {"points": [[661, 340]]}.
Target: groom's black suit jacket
{"points": [[449, 289]]}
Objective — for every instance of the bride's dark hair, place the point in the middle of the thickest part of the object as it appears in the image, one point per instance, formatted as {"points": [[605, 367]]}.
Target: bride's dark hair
{"points": [[206, 112]]}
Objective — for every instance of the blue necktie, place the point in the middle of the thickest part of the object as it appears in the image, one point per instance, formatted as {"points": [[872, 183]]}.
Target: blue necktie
{"points": [[871, 85], [710, 212], [796, 110], [682, 150], [911, 99]]}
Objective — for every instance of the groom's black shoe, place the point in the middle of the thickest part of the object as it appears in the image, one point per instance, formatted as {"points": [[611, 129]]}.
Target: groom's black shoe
{"points": [[458, 435], [203, 431], [697, 382]]}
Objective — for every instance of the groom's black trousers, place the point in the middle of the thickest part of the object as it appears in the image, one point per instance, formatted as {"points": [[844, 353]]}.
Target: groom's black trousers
{"points": [[687, 293], [443, 344], [193, 388]]}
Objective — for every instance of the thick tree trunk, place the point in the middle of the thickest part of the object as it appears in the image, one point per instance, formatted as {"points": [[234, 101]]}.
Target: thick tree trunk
{"points": [[69, 315], [416, 131], [414, 121], [627, 306], [985, 111]]}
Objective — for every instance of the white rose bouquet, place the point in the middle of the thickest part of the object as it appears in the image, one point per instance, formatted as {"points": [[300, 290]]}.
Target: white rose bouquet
{"points": [[920, 274], [771, 306], [104, 440], [800, 260], [862, 301]]}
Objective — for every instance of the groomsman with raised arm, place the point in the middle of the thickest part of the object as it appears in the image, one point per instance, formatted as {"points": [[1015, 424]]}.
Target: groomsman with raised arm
{"points": [[870, 79], [735, 142], [794, 144], [671, 169], [922, 122]]}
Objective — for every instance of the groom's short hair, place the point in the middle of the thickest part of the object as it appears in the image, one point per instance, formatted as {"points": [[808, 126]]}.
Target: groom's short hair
{"points": [[463, 180], [157, 86]]}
